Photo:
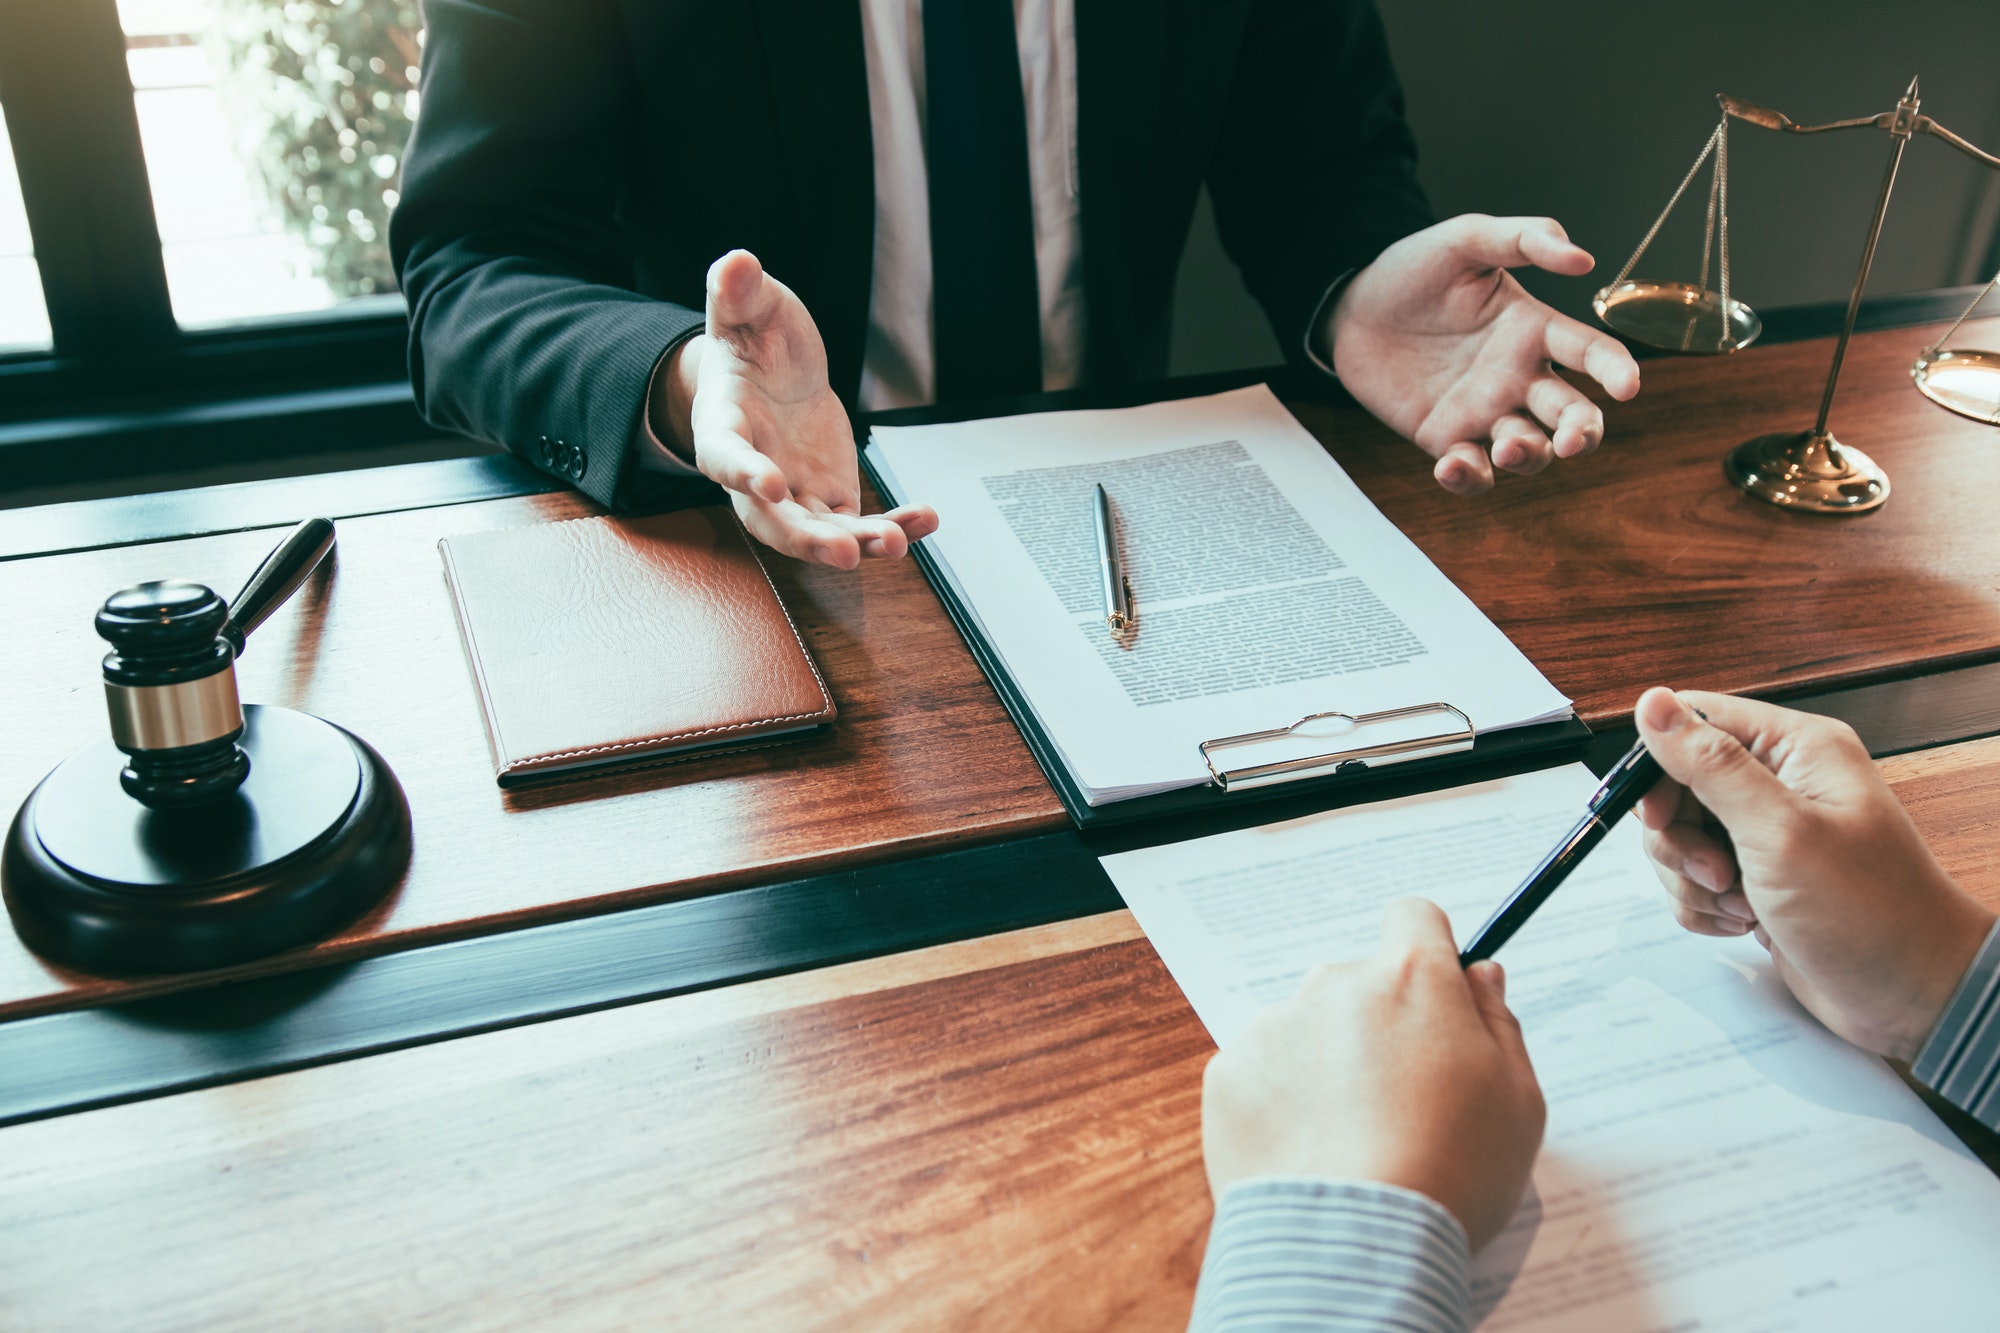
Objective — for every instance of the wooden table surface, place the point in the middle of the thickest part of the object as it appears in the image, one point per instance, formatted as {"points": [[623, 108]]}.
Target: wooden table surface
{"points": [[999, 1134], [1635, 566]]}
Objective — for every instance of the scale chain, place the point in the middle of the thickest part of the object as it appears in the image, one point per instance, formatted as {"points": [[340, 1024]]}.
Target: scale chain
{"points": [[1964, 315], [1722, 206], [1708, 228], [1661, 220]]}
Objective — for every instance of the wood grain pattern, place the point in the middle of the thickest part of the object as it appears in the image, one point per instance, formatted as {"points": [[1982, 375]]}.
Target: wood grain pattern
{"points": [[1953, 793], [60, 1063], [1641, 565], [922, 757], [999, 1134], [792, 1170], [1634, 566]]}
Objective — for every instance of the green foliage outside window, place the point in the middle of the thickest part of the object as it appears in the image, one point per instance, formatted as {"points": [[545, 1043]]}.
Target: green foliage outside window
{"points": [[326, 91]]}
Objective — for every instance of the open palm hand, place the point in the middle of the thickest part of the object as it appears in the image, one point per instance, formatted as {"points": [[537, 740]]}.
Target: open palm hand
{"points": [[769, 428], [1440, 342]]}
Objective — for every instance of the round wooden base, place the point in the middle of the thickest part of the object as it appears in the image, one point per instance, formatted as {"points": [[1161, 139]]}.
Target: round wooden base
{"points": [[318, 833]]}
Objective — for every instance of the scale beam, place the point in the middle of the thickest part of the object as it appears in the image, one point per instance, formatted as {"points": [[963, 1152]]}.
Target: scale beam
{"points": [[1893, 121], [1752, 114], [1809, 470]]}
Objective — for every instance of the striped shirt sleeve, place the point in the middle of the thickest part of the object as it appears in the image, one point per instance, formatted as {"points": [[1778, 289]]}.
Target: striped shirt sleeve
{"points": [[1302, 1254], [1961, 1060]]}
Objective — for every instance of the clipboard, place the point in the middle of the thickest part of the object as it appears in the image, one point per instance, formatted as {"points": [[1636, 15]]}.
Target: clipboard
{"points": [[1336, 774], [1355, 760], [1455, 736]]}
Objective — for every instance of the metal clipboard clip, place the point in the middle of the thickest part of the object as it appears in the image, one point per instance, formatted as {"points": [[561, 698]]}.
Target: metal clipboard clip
{"points": [[1291, 769]]}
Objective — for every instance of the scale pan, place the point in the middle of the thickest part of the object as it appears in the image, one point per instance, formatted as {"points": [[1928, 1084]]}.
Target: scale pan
{"points": [[1676, 317], [1967, 382]]}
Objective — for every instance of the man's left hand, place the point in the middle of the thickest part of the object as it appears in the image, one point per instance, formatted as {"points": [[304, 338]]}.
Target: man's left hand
{"points": [[1440, 342]]}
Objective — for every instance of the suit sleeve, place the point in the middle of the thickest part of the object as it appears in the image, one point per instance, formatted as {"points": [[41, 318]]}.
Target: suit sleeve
{"points": [[1315, 169], [1961, 1059], [524, 328], [1344, 1256]]}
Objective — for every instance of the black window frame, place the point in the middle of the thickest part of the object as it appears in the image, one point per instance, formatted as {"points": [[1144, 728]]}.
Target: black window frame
{"points": [[125, 388]]}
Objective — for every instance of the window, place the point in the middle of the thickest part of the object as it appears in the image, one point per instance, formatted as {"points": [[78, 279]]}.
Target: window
{"points": [[273, 133], [24, 318], [209, 184]]}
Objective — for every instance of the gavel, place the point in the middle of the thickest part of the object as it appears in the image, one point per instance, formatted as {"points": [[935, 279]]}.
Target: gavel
{"points": [[170, 678], [203, 831]]}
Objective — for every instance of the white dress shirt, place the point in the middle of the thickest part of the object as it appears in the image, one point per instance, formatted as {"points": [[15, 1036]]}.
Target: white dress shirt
{"points": [[899, 363]]}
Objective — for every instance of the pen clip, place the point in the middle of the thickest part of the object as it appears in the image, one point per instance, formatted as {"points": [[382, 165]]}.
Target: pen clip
{"points": [[1124, 622]]}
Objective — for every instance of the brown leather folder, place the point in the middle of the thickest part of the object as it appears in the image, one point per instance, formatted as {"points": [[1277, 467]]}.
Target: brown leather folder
{"points": [[611, 641]]}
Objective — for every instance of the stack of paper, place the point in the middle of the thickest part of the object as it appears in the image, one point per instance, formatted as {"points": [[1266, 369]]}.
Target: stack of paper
{"points": [[1267, 586], [1715, 1159]]}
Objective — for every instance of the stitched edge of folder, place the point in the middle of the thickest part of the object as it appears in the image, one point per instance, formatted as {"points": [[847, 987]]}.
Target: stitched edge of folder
{"points": [[650, 741], [826, 713], [531, 779]]}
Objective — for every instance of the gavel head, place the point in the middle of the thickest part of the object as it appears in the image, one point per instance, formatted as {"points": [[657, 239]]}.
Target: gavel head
{"points": [[170, 684]]}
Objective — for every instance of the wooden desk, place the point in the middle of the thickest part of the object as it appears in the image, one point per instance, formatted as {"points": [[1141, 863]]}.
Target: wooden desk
{"points": [[1635, 566], [999, 1134], [923, 757]]}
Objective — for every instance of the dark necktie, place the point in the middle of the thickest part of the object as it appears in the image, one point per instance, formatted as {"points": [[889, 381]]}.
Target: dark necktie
{"points": [[986, 311]]}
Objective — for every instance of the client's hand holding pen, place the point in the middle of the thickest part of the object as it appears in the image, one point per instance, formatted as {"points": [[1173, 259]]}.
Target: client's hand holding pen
{"points": [[1630, 779], [1118, 613]]}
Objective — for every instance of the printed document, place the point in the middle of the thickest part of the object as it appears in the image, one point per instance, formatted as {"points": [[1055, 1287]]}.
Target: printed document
{"points": [[1715, 1159], [1267, 586]]}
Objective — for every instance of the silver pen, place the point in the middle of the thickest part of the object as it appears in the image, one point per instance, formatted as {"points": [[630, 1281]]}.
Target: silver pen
{"points": [[1117, 589]]}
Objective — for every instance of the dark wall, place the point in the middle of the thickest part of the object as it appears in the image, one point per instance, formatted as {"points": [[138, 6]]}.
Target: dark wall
{"points": [[1592, 110]]}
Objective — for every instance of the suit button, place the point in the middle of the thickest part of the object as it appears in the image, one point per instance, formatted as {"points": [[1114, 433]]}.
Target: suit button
{"points": [[582, 465], [542, 449], [569, 459]]}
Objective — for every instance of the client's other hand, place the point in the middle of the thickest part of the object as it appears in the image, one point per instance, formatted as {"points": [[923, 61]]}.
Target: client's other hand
{"points": [[1401, 1068], [1440, 343], [1777, 822], [749, 398]]}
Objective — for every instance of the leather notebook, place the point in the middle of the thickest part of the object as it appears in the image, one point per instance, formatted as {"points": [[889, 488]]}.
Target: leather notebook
{"points": [[597, 642]]}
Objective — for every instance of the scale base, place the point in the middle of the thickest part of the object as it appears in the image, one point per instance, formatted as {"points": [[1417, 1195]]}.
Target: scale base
{"points": [[316, 835], [1807, 471]]}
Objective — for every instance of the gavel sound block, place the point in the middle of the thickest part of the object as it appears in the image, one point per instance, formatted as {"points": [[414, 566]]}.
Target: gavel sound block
{"points": [[202, 832]]}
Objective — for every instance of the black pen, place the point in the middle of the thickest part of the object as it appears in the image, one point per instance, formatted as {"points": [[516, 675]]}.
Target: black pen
{"points": [[1632, 777]]}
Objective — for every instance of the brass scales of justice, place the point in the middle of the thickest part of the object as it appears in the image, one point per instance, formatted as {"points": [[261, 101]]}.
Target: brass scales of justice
{"points": [[1810, 471]]}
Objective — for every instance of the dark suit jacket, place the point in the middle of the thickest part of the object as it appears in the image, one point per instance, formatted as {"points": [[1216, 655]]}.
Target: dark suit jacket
{"points": [[578, 165]]}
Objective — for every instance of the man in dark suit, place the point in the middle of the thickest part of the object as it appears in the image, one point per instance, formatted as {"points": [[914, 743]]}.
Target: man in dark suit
{"points": [[964, 198]]}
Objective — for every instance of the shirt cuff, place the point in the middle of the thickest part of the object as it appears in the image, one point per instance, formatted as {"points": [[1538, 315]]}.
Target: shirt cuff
{"points": [[1321, 323], [653, 453], [1296, 1253], [1961, 1060]]}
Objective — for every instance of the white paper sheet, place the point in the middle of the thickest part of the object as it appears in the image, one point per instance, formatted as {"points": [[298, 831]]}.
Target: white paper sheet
{"points": [[1267, 586], [1715, 1159]]}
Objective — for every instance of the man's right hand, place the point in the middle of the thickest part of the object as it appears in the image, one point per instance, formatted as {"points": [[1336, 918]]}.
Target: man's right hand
{"points": [[748, 400], [1400, 1068], [1778, 822]]}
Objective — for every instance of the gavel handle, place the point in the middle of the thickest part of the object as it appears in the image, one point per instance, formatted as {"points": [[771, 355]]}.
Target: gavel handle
{"points": [[277, 579]]}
